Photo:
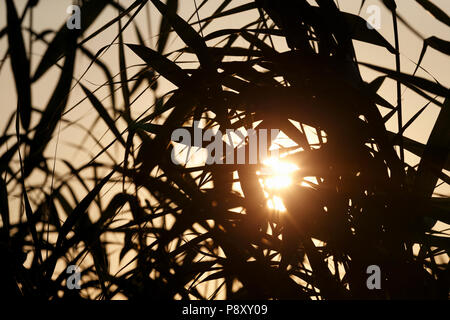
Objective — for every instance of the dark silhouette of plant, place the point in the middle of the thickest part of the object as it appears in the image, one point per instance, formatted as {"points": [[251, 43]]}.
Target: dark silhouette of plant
{"points": [[176, 222]]}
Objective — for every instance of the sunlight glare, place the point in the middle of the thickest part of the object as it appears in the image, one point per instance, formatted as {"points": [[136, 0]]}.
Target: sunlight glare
{"points": [[278, 173], [275, 176], [276, 203]]}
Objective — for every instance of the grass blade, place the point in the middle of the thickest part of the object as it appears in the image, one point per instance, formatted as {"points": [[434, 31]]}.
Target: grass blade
{"points": [[168, 69], [435, 154], [435, 11], [164, 27], [103, 113], [20, 64]]}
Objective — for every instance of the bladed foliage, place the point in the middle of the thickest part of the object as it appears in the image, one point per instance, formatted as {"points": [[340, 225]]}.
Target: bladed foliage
{"points": [[180, 226]]}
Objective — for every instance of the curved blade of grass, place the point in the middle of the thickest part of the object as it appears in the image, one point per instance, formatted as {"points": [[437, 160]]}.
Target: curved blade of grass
{"points": [[105, 70], [4, 208], [421, 83], [123, 74], [112, 21], [80, 210], [357, 27], [103, 113], [28, 211], [164, 27], [235, 10], [435, 154], [186, 33], [414, 147], [260, 44], [58, 47], [435, 11], [52, 113], [168, 69], [227, 32], [436, 43], [219, 10], [20, 64]]}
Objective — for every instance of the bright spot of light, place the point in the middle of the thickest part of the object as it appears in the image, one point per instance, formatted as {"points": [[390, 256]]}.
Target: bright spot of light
{"points": [[276, 175], [275, 203]]}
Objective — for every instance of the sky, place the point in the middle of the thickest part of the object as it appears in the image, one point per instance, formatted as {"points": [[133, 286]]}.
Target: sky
{"points": [[51, 14]]}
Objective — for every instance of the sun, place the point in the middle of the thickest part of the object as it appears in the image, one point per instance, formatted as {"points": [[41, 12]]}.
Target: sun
{"points": [[276, 175]]}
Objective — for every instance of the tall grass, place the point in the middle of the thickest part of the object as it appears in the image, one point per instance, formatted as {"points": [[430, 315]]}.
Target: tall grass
{"points": [[178, 225]]}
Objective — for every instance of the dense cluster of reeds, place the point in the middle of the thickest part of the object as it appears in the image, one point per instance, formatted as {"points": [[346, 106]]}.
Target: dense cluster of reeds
{"points": [[183, 226]]}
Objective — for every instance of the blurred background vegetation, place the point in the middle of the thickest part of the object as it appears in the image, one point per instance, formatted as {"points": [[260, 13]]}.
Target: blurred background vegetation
{"points": [[86, 176]]}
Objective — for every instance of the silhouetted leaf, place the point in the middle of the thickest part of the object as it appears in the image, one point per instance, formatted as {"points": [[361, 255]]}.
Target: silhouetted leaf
{"points": [[435, 11], [412, 80], [112, 21], [436, 43], [57, 48], [123, 75], [52, 112], [4, 208], [435, 154], [235, 10], [185, 32], [19, 64], [161, 64], [164, 27], [103, 113], [105, 70], [357, 27], [80, 210]]}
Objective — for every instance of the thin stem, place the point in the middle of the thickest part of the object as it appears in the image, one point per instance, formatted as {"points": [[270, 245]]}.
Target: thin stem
{"points": [[399, 93]]}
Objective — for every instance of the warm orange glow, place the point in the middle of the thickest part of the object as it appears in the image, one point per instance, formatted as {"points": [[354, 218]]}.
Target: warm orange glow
{"points": [[276, 176], [276, 203]]}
